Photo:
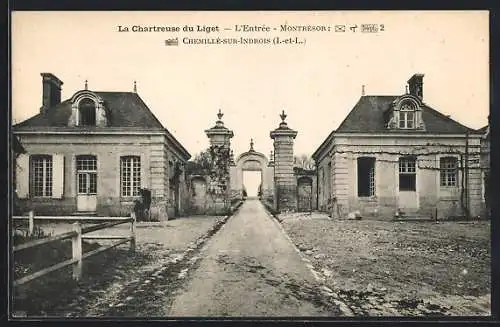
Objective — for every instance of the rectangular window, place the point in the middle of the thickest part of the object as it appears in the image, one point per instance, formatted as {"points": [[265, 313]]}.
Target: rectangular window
{"points": [[366, 177], [407, 174], [406, 119], [448, 171], [130, 175], [86, 163], [86, 167], [41, 176], [410, 118]]}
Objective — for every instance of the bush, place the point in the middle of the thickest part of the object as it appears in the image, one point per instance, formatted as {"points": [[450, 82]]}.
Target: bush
{"points": [[21, 235]]}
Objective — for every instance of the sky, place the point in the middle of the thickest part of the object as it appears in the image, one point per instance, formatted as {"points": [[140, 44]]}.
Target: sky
{"points": [[317, 82]]}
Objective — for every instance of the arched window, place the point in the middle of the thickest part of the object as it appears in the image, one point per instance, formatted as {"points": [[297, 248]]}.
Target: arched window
{"points": [[407, 115], [87, 112]]}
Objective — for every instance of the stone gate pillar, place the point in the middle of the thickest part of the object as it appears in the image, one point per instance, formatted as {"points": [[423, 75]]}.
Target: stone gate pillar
{"points": [[284, 180], [220, 136]]}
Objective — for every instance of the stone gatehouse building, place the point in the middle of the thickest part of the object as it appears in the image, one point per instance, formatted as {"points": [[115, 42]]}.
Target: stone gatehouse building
{"points": [[395, 153], [94, 152]]}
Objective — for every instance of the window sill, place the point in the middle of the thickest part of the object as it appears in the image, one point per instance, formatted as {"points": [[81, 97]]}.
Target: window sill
{"points": [[129, 199], [367, 198], [42, 198]]}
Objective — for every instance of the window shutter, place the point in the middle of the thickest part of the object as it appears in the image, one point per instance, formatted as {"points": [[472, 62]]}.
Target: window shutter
{"points": [[57, 176], [23, 176]]}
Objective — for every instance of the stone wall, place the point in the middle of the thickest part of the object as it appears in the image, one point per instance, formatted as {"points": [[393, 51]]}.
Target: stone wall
{"points": [[108, 148], [201, 201], [284, 179], [341, 196], [306, 190]]}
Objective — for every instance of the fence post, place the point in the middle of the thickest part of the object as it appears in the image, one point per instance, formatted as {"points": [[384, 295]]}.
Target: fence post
{"points": [[132, 232], [77, 251], [31, 223]]}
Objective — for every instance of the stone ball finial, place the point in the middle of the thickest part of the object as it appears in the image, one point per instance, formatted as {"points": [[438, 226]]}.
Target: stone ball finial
{"points": [[135, 87], [220, 114], [86, 85], [251, 145]]}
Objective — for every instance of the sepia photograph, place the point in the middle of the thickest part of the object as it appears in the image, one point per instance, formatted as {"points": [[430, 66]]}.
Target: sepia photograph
{"points": [[274, 164]]}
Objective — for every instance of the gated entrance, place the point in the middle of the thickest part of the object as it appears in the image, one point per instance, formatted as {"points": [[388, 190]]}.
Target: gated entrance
{"points": [[255, 162], [198, 195], [304, 194]]}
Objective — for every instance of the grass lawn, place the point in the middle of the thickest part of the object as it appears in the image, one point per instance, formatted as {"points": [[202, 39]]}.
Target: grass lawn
{"points": [[448, 261]]}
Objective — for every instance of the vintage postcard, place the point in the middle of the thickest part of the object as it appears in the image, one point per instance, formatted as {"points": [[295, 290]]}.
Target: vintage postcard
{"points": [[250, 164]]}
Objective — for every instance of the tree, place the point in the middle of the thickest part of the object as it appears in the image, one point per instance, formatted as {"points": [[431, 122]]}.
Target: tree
{"points": [[203, 160], [303, 161]]}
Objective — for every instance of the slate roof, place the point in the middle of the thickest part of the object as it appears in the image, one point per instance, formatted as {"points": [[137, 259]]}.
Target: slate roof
{"points": [[124, 109], [369, 116]]}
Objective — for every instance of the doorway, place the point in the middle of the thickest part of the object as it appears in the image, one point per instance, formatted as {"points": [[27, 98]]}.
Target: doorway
{"points": [[408, 195], [252, 181], [199, 195], [304, 194], [86, 180]]}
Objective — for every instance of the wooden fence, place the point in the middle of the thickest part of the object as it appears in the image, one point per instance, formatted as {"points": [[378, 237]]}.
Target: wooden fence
{"points": [[76, 236]]}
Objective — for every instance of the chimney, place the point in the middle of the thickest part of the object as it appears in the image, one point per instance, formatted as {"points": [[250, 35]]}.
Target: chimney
{"points": [[51, 94], [416, 85]]}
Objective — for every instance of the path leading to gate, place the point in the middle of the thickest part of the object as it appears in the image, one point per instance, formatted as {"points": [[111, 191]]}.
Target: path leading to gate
{"points": [[250, 268]]}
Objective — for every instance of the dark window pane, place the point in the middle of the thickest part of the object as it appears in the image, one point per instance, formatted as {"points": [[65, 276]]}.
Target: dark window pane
{"points": [[82, 183], [92, 183], [87, 112], [407, 182], [366, 177]]}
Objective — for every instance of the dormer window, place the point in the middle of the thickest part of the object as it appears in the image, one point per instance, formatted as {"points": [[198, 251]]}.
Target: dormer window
{"points": [[87, 112], [88, 109], [407, 115]]}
